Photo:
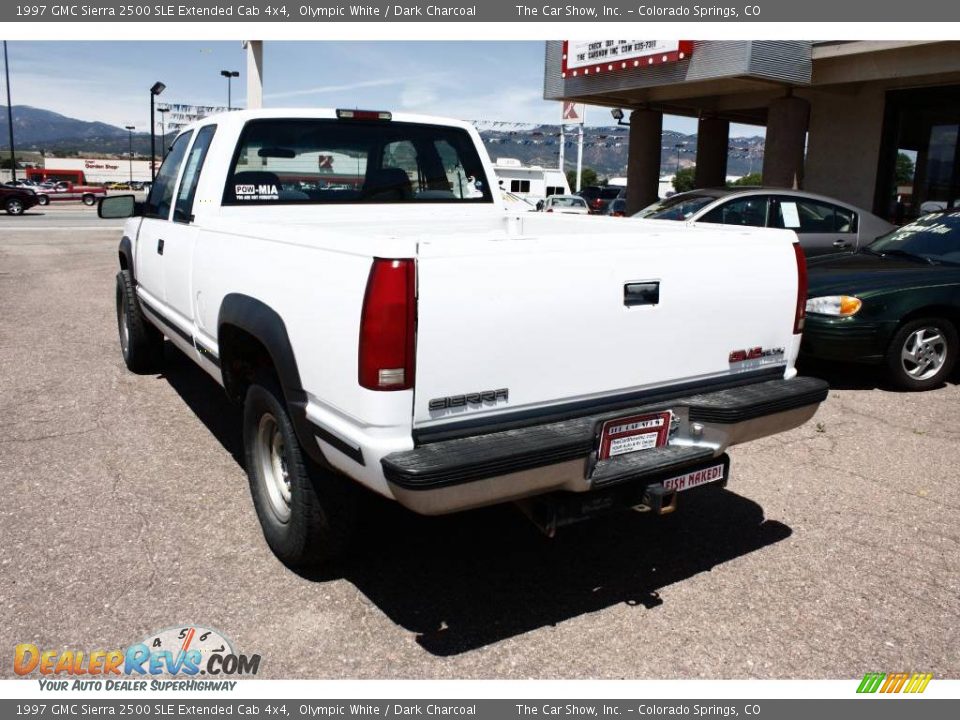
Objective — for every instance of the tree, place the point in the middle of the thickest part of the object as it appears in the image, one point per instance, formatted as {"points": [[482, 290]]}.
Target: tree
{"points": [[683, 180], [751, 179], [904, 169], [588, 176]]}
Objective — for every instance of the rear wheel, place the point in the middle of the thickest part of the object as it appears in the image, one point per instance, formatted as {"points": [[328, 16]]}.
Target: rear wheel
{"points": [[306, 513], [140, 342], [922, 353], [14, 206], [43, 200], [88, 199]]}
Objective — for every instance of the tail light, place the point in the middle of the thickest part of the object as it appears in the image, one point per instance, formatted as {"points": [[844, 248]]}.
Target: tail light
{"points": [[388, 326], [801, 311]]}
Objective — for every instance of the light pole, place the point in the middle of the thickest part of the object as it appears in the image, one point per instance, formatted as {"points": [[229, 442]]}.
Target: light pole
{"points": [[229, 75], [679, 147], [130, 129], [157, 88], [163, 131], [13, 154]]}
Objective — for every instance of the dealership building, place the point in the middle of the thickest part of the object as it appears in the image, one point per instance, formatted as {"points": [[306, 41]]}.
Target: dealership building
{"points": [[837, 114]]}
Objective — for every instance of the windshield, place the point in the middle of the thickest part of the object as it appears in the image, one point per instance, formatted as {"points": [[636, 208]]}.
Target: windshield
{"points": [[286, 161], [678, 207], [568, 202], [934, 237]]}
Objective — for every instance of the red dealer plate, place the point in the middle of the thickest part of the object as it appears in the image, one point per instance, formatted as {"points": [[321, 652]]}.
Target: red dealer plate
{"points": [[694, 478], [633, 433]]}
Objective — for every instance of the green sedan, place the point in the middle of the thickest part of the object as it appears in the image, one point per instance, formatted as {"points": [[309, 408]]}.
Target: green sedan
{"points": [[895, 303]]}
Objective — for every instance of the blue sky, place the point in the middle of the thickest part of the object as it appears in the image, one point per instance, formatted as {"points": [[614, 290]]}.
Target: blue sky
{"points": [[109, 81]]}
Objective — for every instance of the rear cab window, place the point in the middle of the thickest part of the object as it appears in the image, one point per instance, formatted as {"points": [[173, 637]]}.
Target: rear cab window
{"points": [[332, 161]]}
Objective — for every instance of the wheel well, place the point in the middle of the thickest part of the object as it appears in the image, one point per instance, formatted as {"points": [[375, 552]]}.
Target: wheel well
{"points": [[124, 265], [944, 311], [242, 358]]}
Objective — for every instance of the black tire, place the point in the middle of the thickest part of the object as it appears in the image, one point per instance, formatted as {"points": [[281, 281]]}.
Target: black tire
{"points": [[13, 206], [940, 351], [88, 200], [141, 344], [320, 506], [43, 200]]}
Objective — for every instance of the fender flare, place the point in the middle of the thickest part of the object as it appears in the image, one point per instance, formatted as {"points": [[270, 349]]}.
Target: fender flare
{"points": [[265, 325], [125, 251]]}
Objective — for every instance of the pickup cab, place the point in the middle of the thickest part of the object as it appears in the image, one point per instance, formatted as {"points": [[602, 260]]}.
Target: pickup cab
{"points": [[353, 280], [67, 190]]}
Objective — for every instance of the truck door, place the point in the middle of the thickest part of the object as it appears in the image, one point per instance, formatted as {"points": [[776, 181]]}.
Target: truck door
{"points": [[181, 235], [156, 227]]}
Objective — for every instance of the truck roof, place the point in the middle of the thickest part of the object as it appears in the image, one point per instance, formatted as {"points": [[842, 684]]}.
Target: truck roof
{"points": [[237, 118]]}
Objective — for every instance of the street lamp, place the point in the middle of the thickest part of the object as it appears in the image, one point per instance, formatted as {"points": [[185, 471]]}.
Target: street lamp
{"points": [[130, 129], [617, 114], [156, 89], [229, 75], [13, 153], [679, 147], [163, 131]]}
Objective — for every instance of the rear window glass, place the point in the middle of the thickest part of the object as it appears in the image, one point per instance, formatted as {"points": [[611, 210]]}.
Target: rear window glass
{"points": [[568, 202], [676, 207], [306, 162]]}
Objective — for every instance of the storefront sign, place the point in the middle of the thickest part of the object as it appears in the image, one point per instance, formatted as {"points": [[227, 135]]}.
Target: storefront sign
{"points": [[594, 57]]}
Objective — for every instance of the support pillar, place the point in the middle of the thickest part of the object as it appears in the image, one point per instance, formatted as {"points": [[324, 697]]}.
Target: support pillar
{"points": [[254, 74], [787, 120], [643, 159], [713, 141]]}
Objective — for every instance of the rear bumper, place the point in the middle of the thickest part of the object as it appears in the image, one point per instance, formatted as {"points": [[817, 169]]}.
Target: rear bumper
{"points": [[469, 472]]}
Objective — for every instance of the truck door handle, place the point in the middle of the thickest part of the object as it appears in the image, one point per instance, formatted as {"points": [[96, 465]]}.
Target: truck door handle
{"points": [[641, 293], [160, 246], [840, 244]]}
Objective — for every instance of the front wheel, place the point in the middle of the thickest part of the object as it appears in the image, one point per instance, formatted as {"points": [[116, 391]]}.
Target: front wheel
{"points": [[922, 353], [43, 200], [306, 513], [14, 206], [89, 200], [140, 342]]}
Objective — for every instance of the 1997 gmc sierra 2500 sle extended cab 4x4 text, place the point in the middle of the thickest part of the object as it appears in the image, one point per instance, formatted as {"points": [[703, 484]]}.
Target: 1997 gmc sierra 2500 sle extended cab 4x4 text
{"points": [[354, 281]]}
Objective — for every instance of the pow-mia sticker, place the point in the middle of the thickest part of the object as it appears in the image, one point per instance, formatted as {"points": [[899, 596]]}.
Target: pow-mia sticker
{"points": [[256, 192]]}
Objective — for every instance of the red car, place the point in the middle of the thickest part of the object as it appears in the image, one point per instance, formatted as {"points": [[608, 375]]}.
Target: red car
{"points": [[66, 190]]}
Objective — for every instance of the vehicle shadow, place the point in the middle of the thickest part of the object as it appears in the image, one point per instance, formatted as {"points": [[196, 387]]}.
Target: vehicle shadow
{"points": [[469, 580], [854, 376]]}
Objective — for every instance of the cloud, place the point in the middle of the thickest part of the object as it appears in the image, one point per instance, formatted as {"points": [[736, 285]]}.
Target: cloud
{"points": [[333, 88]]}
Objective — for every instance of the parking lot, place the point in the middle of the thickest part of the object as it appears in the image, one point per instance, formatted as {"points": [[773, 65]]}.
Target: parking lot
{"points": [[835, 549]]}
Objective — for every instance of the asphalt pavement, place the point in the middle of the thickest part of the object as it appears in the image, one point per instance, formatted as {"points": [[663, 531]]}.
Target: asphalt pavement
{"points": [[834, 551]]}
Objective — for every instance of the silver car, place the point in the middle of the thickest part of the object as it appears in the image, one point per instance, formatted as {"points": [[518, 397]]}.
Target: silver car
{"points": [[824, 225]]}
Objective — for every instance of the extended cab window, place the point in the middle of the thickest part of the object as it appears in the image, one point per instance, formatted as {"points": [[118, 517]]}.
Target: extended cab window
{"points": [[292, 161], [183, 212], [161, 194]]}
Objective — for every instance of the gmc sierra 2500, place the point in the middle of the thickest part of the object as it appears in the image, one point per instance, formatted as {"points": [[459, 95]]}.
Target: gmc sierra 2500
{"points": [[354, 281]]}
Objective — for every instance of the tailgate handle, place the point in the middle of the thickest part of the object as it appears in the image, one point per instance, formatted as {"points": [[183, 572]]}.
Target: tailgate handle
{"points": [[641, 293]]}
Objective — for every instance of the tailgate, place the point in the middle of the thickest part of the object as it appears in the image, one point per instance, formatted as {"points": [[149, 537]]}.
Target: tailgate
{"points": [[515, 328]]}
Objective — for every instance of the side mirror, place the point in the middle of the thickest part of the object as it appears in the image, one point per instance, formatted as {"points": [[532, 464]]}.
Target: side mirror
{"points": [[118, 206]]}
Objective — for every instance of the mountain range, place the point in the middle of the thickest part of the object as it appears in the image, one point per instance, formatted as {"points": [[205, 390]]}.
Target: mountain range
{"points": [[604, 148]]}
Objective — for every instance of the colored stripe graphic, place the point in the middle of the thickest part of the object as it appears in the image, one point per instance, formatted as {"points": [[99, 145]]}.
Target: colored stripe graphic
{"points": [[894, 682]]}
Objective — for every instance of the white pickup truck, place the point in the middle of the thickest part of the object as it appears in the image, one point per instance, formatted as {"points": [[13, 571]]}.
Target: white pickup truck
{"points": [[353, 280]]}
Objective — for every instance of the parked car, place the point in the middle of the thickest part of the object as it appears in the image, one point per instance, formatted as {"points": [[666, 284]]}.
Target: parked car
{"points": [[406, 332], [20, 183], [617, 207], [824, 225], [598, 197], [17, 200], [568, 204], [895, 303]]}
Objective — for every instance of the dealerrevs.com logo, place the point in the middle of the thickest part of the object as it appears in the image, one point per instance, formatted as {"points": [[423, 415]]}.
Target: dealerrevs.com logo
{"points": [[171, 659]]}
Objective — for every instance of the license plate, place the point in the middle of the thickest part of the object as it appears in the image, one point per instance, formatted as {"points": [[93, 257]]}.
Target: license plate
{"points": [[695, 478], [633, 433]]}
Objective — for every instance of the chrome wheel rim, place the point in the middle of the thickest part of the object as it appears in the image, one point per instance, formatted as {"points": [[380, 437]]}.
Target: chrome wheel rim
{"points": [[271, 459], [124, 327], [924, 353], [15, 207]]}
